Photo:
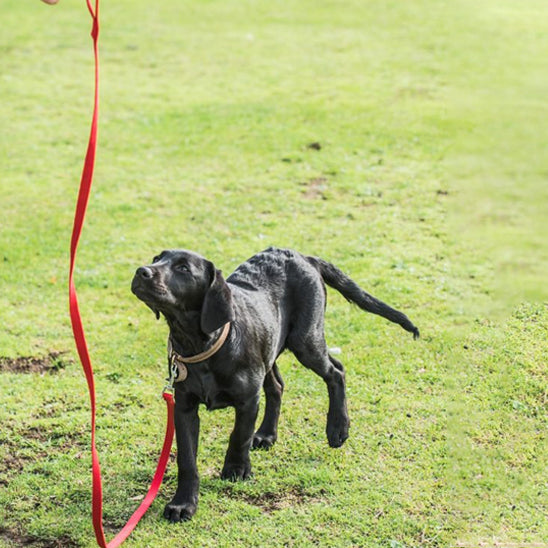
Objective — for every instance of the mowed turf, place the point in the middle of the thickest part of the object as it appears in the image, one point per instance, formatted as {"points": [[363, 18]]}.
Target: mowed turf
{"points": [[403, 141]]}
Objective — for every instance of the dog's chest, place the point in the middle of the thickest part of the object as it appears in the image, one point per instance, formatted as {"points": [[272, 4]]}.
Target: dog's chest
{"points": [[210, 390]]}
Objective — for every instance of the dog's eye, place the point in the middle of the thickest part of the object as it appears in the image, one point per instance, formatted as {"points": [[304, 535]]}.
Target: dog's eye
{"points": [[182, 268]]}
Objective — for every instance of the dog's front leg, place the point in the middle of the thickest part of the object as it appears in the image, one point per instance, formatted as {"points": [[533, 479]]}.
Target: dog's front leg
{"points": [[237, 465], [187, 427]]}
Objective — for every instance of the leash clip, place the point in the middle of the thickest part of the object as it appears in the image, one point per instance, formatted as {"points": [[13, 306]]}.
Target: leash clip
{"points": [[173, 373]]}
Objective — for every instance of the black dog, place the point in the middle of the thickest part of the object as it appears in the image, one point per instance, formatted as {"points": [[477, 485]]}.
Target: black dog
{"points": [[273, 301]]}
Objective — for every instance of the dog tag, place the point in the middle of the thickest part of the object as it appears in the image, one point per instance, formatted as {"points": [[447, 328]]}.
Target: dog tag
{"points": [[181, 368]]}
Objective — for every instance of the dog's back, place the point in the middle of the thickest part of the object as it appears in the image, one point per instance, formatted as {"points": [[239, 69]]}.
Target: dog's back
{"points": [[265, 269], [284, 272]]}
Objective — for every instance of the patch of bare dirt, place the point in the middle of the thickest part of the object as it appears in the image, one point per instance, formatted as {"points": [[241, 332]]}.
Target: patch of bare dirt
{"points": [[12, 538], [51, 363], [15, 460], [11, 463], [270, 502], [315, 188]]}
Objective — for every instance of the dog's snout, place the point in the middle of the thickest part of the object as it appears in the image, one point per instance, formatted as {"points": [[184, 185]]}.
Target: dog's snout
{"points": [[144, 272]]}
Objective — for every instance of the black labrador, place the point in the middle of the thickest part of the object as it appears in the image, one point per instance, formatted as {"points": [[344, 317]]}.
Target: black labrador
{"points": [[273, 301]]}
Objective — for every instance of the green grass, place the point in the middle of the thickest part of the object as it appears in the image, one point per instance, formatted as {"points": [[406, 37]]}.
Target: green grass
{"points": [[430, 189]]}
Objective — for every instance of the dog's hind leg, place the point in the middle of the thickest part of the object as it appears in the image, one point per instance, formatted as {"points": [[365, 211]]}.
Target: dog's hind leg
{"points": [[312, 353], [267, 433]]}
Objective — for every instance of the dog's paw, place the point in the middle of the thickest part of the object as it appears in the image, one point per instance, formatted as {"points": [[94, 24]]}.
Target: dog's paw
{"points": [[236, 471], [337, 431], [179, 512], [263, 441]]}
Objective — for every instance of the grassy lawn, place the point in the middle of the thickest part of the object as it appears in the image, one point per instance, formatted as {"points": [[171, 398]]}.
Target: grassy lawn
{"points": [[429, 188]]}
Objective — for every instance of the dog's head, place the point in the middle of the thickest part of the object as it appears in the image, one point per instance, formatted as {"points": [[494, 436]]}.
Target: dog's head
{"points": [[180, 281]]}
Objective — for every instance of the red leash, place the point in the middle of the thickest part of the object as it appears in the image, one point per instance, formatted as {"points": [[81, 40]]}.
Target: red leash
{"points": [[81, 344]]}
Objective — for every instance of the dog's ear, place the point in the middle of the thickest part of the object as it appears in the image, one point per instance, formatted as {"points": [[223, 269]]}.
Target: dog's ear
{"points": [[217, 307]]}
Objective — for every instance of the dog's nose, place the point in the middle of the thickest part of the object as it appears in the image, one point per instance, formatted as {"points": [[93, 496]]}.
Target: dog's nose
{"points": [[144, 272]]}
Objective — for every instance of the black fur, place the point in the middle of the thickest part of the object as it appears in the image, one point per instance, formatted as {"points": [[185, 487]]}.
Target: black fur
{"points": [[275, 301]]}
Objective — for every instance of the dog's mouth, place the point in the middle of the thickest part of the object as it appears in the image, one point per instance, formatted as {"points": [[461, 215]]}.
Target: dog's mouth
{"points": [[149, 293], [152, 295]]}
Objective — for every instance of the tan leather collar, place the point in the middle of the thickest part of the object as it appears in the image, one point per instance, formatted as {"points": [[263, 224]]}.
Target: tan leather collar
{"points": [[181, 361]]}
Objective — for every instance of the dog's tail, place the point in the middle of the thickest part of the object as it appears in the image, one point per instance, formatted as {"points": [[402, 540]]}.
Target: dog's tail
{"points": [[352, 292]]}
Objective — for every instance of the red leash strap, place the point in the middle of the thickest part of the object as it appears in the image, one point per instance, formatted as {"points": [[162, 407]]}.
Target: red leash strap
{"points": [[81, 344]]}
